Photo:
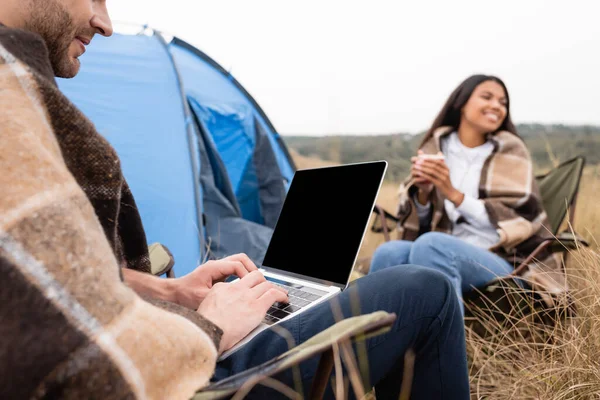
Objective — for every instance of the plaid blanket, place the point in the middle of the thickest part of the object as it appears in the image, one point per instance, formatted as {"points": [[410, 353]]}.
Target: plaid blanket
{"points": [[512, 200], [70, 327]]}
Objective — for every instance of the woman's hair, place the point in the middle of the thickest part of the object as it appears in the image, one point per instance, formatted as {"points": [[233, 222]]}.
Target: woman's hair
{"points": [[450, 114]]}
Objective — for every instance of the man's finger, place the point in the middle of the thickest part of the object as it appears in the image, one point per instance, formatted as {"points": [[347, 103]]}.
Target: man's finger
{"points": [[221, 269], [245, 260], [270, 297], [235, 268], [252, 279], [264, 287]]}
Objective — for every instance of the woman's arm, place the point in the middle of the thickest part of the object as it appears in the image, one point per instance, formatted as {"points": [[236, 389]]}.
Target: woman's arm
{"points": [[473, 210]]}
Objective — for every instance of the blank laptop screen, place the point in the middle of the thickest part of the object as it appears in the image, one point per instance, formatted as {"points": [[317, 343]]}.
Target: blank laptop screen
{"points": [[323, 220]]}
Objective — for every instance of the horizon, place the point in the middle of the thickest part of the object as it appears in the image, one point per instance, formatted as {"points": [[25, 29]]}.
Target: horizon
{"points": [[553, 125]]}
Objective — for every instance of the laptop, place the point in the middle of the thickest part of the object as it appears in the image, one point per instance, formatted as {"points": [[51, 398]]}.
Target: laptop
{"points": [[317, 237]]}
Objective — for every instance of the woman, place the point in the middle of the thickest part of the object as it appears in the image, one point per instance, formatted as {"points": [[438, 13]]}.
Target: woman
{"points": [[474, 212]]}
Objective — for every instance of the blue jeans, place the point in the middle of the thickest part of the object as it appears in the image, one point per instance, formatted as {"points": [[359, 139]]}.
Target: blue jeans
{"points": [[465, 265], [428, 321]]}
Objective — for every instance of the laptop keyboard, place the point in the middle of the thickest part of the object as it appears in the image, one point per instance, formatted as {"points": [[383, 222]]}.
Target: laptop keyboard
{"points": [[298, 299]]}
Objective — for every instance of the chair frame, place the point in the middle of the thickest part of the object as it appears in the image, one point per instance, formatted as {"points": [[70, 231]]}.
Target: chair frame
{"points": [[571, 208], [326, 361], [382, 215], [522, 268]]}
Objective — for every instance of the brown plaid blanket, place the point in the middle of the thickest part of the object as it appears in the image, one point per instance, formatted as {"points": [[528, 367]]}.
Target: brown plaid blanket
{"points": [[70, 327], [512, 200]]}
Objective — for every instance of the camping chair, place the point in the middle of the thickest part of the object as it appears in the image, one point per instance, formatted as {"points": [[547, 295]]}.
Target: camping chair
{"points": [[503, 297], [558, 190], [342, 333], [161, 260]]}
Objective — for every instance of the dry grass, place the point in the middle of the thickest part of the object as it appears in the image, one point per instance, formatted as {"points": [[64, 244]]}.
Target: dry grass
{"points": [[539, 361], [560, 362], [528, 360]]}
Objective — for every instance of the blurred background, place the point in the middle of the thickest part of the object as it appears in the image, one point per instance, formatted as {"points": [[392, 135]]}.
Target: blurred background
{"points": [[322, 67], [348, 81]]}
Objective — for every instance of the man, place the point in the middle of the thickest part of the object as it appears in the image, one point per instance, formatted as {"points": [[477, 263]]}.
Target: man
{"points": [[72, 248]]}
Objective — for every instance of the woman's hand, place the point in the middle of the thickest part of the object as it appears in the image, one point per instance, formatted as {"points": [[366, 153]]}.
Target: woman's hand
{"points": [[239, 307], [437, 173], [420, 182], [425, 186]]}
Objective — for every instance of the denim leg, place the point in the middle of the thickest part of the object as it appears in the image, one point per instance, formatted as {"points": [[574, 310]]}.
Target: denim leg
{"points": [[466, 265], [390, 254], [428, 321]]}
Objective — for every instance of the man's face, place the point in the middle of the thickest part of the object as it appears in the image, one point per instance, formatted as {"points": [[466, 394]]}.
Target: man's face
{"points": [[67, 26]]}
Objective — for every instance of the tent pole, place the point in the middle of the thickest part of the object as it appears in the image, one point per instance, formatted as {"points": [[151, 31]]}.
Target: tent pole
{"points": [[191, 137]]}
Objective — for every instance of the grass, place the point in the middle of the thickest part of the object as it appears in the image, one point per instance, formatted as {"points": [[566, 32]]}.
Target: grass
{"points": [[560, 362], [529, 361], [522, 359]]}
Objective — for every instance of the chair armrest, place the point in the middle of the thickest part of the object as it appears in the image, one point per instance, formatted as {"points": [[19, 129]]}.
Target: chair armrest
{"points": [[567, 240], [563, 242], [161, 260], [348, 329]]}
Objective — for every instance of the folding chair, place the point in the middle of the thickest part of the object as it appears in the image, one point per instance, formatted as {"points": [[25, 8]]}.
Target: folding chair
{"points": [[558, 190], [503, 297], [342, 333], [161, 260]]}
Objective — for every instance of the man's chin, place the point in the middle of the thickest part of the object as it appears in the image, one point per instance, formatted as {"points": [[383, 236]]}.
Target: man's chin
{"points": [[68, 69]]}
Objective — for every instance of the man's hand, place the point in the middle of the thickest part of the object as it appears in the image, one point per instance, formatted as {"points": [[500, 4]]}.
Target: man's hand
{"points": [[239, 307], [191, 289]]}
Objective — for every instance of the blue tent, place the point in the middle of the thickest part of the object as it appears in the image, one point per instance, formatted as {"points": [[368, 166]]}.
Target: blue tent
{"points": [[207, 168]]}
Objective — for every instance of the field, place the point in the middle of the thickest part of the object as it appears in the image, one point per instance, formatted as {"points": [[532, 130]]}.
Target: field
{"points": [[525, 360]]}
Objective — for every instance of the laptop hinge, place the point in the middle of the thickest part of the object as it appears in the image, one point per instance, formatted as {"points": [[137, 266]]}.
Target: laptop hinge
{"points": [[304, 277]]}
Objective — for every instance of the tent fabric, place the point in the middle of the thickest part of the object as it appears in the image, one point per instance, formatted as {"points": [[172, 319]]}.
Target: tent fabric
{"points": [[217, 95], [226, 231], [271, 186], [207, 168], [128, 87], [232, 132]]}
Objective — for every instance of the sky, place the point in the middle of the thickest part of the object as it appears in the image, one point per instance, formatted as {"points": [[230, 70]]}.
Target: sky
{"points": [[321, 67]]}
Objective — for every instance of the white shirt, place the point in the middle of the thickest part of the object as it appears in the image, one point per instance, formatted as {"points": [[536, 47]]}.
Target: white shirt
{"points": [[465, 166]]}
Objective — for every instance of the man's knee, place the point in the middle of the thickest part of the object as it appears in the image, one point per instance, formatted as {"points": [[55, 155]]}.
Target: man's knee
{"points": [[416, 281]]}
